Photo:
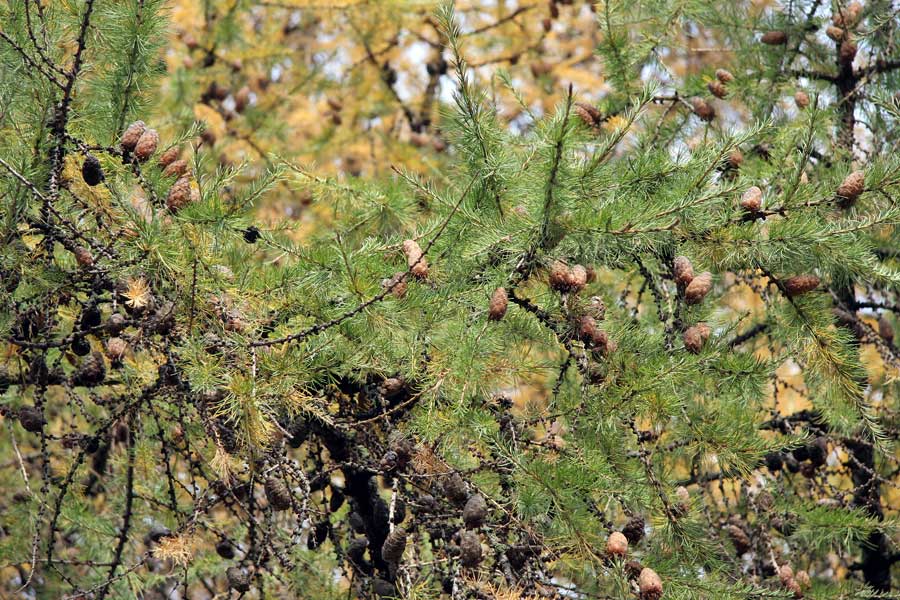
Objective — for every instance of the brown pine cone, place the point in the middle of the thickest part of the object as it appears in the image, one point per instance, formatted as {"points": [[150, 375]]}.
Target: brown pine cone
{"points": [[835, 33], [91, 371], [277, 494], [695, 337], [179, 194], [31, 419], [683, 270], [475, 511], [800, 284], [577, 278], [703, 109], [115, 348], [469, 549], [498, 305], [176, 168], [616, 544], [699, 287], [852, 186], [394, 545], [717, 88], [774, 38], [634, 530], [847, 52], [131, 135], [83, 257], [650, 585], [397, 284], [237, 579], [801, 99], [91, 171], [739, 538], [146, 145], [169, 156], [225, 549], [735, 159], [849, 16], [455, 489], [588, 114], [559, 276], [724, 76], [415, 259], [751, 200]]}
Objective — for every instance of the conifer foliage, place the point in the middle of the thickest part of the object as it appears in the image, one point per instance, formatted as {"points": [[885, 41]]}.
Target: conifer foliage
{"points": [[639, 347]]}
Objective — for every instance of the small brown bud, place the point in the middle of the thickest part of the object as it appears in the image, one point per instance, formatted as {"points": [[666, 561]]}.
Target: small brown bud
{"points": [[717, 88], [415, 259], [724, 76], [683, 270], [699, 287], [131, 135], [703, 109], [852, 186], [774, 38], [176, 168], [751, 201], [616, 544], [179, 194], [146, 145], [835, 33], [634, 529], [800, 284], [682, 495], [498, 305], [650, 585], [739, 538], [801, 99], [169, 156], [83, 257], [475, 511]]}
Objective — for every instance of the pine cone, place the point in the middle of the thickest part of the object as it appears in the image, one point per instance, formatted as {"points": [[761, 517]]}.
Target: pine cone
{"points": [[717, 88], [695, 337], [498, 305], [91, 372], [739, 538], [169, 156], [588, 114], [559, 276], [475, 511], [774, 461], [801, 99], [724, 76], [277, 493], [455, 489], [683, 270], [847, 52], [774, 38], [751, 200], [849, 16], [703, 109], [237, 579], [31, 419], [83, 257], [115, 323], [699, 287], [383, 588], [469, 549], [650, 585], [179, 195], [115, 348], [616, 544], [577, 278], [131, 135], [802, 579], [785, 573], [91, 171], [886, 329], [800, 284], [225, 549], [735, 159], [146, 145], [176, 168], [835, 33], [415, 260], [394, 545], [397, 284], [634, 530], [852, 186]]}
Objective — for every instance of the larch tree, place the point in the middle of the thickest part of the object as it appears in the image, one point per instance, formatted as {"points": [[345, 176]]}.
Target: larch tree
{"points": [[625, 341]]}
